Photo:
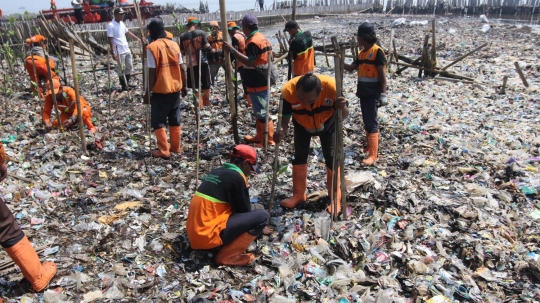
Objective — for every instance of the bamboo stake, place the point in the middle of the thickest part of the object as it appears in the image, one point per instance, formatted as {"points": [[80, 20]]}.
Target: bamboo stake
{"points": [[62, 60], [503, 88], [228, 72], [109, 77], [424, 60], [433, 44], [465, 56], [94, 72], [53, 95], [199, 118], [293, 15], [521, 75], [276, 161], [78, 99], [435, 71], [268, 92]]}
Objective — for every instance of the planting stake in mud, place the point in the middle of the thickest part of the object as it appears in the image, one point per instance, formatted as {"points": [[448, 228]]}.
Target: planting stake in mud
{"points": [[60, 125], [268, 91], [94, 72], [464, 56], [228, 72], [109, 77], [77, 97], [275, 165], [521, 75], [61, 57], [338, 137], [199, 121]]}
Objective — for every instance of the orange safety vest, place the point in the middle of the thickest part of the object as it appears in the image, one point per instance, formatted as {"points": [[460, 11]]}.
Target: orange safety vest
{"points": [[254, 80], [216, 43], [312, 117], [241, 47], [168, 75], [302, 47], [368, 74]]}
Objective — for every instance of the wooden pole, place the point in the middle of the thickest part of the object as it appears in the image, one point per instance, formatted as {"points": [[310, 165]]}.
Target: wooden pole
{"points": [[325, 55], [521, 75], [228, 72], [62, 60], [276, 161], [465, 56], [433, 45], [293, 15], [53, 95], [77, 98], [94, 72], [109, 77], [503, 88], [268, 93], [199, 118]]}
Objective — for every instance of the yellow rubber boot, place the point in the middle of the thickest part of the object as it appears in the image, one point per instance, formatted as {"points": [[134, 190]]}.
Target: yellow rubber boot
{"points": [[299, 176]]}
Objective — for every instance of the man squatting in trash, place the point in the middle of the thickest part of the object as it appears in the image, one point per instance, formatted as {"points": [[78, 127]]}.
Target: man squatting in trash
{"points": [[18, 247], [311, 101], [166, 78], [371, 88], [220, 213]]}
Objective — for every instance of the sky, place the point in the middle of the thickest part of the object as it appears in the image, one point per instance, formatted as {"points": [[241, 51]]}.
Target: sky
{"points": [[34, 6]]}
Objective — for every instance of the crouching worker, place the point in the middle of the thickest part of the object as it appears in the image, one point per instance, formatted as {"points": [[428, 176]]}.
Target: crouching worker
{"points": [[67, 107], [17, 245], [220, 212]]}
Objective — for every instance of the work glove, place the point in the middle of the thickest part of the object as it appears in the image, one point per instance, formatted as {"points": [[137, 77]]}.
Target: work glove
{"points": [[383, 101]]}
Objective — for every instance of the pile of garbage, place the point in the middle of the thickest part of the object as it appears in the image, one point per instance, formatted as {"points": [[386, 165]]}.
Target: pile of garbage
{"points": [[449, 213]]}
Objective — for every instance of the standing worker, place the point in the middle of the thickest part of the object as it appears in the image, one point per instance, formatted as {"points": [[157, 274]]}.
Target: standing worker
{"points": [[18, 247], [238, 41], [261, 5], [311, 100], [77, 7], [38, 51], [116, 32], [215, 57], [166, 78], [220, 212], [66, 101], [301, 48], [371, 88], [195, 39], [258, 52]]}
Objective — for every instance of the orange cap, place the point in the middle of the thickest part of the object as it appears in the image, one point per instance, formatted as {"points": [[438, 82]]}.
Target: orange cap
{"points": [[214, 23], [193, 20], [169, 35], [56, 85], [231, 24], [38, 39]]}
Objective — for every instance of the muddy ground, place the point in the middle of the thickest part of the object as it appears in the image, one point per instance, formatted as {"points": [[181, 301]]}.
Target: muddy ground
{"points": [[449, 212]]}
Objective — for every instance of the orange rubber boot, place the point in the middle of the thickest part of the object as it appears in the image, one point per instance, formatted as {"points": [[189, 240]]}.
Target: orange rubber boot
{"points": [[163, 145], [270, 133], [175, 132], [258, 138], [299, 176], [232, 254], [373, 140], [329, 187], [205, 97], [39, 275]]}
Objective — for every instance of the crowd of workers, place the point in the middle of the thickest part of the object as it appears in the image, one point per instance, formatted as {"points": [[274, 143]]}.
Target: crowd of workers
{"points": [[220, 214]]}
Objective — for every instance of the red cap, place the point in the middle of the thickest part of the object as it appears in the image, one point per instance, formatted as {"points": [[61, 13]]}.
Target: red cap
{"points": [[247, 153]]}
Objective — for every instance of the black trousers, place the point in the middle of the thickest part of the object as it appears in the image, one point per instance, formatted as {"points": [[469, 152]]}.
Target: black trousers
{"points": [[165, 107], [205, 77], [79, 15], [10, 232], [241, 73], [252, 222], [302, 140], [369, 114]]}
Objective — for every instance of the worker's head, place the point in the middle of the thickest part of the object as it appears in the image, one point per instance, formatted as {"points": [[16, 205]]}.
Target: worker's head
{"points": [[36, 40], [119, 14], [249, 24], [56, 87], [193, 23], [366, 34], [156, 29], [214, 26], [308, 88], [245, 157], [292, 28], [232, 27]]}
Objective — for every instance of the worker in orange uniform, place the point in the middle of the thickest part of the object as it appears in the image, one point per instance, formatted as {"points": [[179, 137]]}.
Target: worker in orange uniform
{"points": [[37, 51], [196, 41], [311, 101], [255, 61], [167, 78], [371, 88], [301, 48], [220, 212], [215, 57], [53, 4], [238, 41], [18, 247], [67, 107]]}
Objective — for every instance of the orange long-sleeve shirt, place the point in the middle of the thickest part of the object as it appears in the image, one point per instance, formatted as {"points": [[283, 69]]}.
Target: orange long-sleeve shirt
{"points": [[67, 107]]}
